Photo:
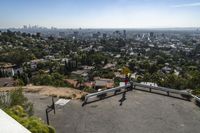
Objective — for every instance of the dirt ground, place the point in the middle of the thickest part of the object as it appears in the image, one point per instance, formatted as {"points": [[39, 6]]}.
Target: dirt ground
{"points": [[62, 92]]}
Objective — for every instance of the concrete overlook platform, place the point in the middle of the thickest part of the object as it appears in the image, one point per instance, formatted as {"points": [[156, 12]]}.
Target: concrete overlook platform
{"points": [[141, 112]]}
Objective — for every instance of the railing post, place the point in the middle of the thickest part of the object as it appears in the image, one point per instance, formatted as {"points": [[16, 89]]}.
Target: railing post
{"points": [[49, 109], [115, 93], [53, 105], [47, 116], [150, 88], [168, 93], [131, 87], [85, 101]]}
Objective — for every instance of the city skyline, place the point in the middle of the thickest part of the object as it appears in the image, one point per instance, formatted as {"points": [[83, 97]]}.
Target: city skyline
{"points": [[100, 14]]}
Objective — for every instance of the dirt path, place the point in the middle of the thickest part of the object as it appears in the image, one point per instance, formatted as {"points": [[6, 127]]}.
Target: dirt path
{"points": [[62, 92]]}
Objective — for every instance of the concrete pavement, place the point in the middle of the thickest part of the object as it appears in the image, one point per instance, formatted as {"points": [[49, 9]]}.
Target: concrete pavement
{"points": [[141, 112]]}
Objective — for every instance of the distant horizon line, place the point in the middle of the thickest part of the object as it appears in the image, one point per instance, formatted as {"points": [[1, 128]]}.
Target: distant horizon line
{"points": [[52, 27]]}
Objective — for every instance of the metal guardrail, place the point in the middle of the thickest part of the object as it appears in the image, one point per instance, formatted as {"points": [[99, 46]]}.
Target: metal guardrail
{"points": [[105, 92], [168, 90], [195, 97], [134, 85]]}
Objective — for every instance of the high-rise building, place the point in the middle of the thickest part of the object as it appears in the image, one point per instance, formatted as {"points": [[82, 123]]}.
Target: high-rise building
{"points": [[124, 34], [25, 27], [151, 34]]}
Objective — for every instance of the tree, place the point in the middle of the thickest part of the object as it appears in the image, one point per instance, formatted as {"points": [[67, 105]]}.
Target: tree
{"points": [[145, 65], [153, 68], [173, 81], [54, 79], [126, 70], [79, 83], [105, 61], [132, 66], [38, 35], [1, 74], [160, 60], [16, 56], [193, 80]]}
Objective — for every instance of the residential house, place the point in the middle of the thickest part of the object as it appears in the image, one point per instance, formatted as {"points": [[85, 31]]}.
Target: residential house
{"points": [[9, 70], [102, 83], [34, 63], [49, 57], [75, 83], [80, 73], [166, 69], [88, 68], [109, 66], [149, 83]]}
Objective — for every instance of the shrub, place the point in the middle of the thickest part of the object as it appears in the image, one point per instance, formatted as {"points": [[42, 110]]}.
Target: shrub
{"points": [[19, 82], [14, 98], [196, 92], [34, 124], [54, 79], [89, 89], [18, 107], [17, 98], [83, 97]]}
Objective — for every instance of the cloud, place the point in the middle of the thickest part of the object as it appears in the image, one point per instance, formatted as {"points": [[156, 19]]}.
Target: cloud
{"points": [[187, 5]]}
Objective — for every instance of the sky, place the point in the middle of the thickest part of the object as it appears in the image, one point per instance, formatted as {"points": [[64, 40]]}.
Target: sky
{"points": [[100, 13]]}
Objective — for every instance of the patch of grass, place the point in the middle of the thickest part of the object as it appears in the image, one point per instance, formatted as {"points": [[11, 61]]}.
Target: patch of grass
{"points": [[89, 89]]}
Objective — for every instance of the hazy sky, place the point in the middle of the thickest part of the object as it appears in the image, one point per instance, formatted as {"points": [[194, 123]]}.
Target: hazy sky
{"points": [[100, 13]]}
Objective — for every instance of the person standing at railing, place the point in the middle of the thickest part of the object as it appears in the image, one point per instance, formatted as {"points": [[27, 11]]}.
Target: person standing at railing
{"points": [[126, 80]]}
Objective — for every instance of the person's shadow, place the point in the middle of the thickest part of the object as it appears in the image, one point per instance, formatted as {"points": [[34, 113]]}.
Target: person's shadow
{"points": [[123, 98]]}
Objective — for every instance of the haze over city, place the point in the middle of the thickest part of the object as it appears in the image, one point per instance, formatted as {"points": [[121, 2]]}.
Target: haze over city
{"points": [[100, 13], [99, 66]]}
